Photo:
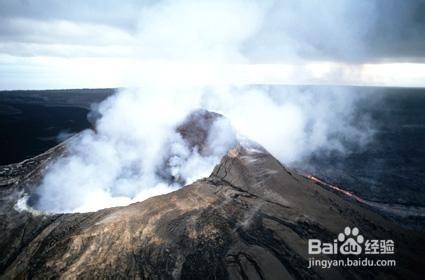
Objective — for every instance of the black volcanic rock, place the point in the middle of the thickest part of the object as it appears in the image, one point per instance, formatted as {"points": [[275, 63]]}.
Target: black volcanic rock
{"points": [[250, 219]]}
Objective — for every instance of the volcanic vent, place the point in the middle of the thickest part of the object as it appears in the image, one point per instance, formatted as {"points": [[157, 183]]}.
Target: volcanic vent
{"points": [[190, 152]]}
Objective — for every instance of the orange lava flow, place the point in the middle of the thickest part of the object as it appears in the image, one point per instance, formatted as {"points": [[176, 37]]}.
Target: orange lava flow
{"points": [[347, 193], [391, 208]]}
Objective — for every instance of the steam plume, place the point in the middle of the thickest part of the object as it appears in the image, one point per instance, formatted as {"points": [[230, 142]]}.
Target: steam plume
{"points": [[118, 163]]}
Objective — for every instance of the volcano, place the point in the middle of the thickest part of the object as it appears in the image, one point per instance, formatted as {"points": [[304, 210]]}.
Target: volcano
{"points": [[252, 218]]}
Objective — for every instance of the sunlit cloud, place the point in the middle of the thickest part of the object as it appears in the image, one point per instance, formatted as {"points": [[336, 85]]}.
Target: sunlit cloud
{"points": [[59, 72]]}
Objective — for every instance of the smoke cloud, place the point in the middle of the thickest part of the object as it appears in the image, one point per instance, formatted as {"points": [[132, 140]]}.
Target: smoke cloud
{"points": [[122, 160]]}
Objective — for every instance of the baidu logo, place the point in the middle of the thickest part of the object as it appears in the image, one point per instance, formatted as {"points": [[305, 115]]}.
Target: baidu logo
{"points": [[350, 242], [353, 248]]}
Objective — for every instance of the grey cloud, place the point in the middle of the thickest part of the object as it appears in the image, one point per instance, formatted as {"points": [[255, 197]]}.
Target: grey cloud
{"points": [[347, 30], [118, 13], [344, 30]]}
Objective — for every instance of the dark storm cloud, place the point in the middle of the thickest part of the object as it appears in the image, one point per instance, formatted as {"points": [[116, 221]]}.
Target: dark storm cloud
{"points": [[399, 30], [348, 30], [345, 30]]}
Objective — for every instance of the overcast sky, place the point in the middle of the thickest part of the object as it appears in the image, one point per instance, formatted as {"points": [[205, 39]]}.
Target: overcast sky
{"points": [[62, 44]]}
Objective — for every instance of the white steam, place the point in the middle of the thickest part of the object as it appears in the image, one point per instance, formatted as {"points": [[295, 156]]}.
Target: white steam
{"points": [[119, 163], [122, 160]]}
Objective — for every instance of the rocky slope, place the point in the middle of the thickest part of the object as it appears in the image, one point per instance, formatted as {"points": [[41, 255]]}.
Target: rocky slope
{"points": [[250, 219]]}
